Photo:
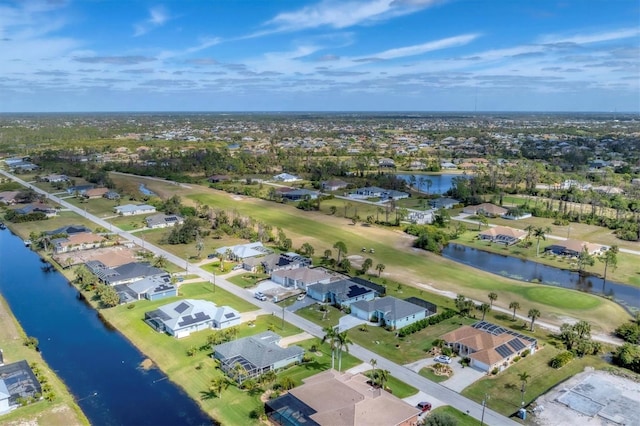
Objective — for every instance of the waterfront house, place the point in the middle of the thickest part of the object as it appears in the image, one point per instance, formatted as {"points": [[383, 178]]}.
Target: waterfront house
{"points": [[575, 247], [183, 317], [155, 287], [111, 195], [123, 274], [78, 241], [257, 355], [17, 382], [502, 235], [69, 230]]}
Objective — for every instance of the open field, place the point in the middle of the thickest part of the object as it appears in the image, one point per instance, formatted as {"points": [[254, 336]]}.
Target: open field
{"points": [[62, 411], [64, 218], [100, 207], [404, 263]]}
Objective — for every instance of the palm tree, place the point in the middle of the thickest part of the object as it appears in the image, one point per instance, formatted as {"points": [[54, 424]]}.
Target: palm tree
{"points": [[330, 335], [484, 308], [374, 363], [610, 258], [366, 265], [343, 342], [380, 267], [346, 265], [160, 261], [383, 377], [218, 384], [287, 383], [524, 377], [540, 233], [515, 306], [482, 220], [327, 254], [341, 247], [492, 298], [533, 314]]}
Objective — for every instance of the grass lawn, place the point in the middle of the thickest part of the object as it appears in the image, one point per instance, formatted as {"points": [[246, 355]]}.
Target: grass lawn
{"points": [[504, 389], [428, 373], [409, 349], [205, 291], [398, 388], [62, 410], [128, 223], [462, 419], [313, 314], [247, 280], [100, 207], [63, 219]]}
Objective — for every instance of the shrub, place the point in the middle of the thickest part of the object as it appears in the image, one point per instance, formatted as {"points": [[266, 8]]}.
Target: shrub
{"points": [[516, 359], [495, 371], [424, 323], [525, 353], [561, 359]]}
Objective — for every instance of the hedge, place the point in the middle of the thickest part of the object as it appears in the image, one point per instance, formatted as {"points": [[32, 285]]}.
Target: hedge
{"points": [[561, 359], [424, 323]]}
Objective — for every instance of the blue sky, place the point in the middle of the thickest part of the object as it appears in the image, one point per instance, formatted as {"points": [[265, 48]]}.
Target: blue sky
{"points": [[320, 55]]}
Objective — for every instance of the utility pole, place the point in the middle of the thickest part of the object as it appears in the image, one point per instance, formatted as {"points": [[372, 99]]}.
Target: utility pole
{"points": [[282, 318], [484, 404]]}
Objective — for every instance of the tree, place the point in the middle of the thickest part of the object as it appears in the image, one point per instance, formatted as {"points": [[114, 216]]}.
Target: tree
{"points": [[382, 377], [540, 233], [492, 298], [342, 249], [484, 308], [218, 384], [330, 335], [515, 306], [343, 342], [346, 265], [327, 254], [440, 419], [584, 259], [524, 378], [366, 265], [464, 305], [482, 221], [307, 249], [380, 268], [374, 363], [110, 297], [533, 314], [160, 261], [610, 259], [287, 383]]}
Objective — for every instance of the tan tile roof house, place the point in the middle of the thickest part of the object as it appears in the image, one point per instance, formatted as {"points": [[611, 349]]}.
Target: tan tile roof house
{"points": [[340, 399], [486, 209], [80, 241], [489, 346], [502, 234], [575, 247]]}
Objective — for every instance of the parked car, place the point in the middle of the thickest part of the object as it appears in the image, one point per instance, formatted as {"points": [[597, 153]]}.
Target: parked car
{"points": [[301, 296], [211, 255], [235, 268], [443, 359], [260, 296], [424, 406]]}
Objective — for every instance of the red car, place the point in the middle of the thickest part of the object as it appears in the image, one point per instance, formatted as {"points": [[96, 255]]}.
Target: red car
{"points": [[424, 406]]}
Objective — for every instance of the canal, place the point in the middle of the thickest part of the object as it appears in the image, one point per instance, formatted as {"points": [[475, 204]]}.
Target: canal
{"points": [[440, 183], [526, 270], [99, 365]]}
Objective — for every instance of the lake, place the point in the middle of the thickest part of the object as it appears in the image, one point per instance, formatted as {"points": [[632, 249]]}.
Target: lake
{"points": [[99, 365], [526, 270], [440, 183]]}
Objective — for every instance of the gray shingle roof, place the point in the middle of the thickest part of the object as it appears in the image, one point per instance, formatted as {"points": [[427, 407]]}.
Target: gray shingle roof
{"points": [[261, 350], [392, 308]]}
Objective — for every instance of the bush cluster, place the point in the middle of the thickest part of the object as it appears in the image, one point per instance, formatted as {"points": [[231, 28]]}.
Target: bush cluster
{"points": [[560, 360], [424, 323]]}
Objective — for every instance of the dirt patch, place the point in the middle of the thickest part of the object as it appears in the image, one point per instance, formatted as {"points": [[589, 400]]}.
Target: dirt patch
{"points": [[147, 364]]}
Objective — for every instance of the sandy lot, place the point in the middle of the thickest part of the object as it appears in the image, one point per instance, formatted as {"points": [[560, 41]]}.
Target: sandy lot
{"points": [[588, 399]]}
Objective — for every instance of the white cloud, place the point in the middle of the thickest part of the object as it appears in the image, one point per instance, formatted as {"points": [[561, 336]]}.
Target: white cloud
{"points": [[593, 38], [419, 49], [158, 16]]}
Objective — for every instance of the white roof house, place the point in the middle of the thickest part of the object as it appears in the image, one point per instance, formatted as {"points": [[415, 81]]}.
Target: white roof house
{"points": [[132, 209], [286, 177], [183, 317], [244, 251]]}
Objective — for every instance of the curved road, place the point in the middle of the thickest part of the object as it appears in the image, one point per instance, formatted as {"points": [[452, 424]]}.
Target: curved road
{"points": [[435, 390]]}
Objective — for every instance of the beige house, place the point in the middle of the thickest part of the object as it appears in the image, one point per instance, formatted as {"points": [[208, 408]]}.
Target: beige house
{"points": [[503, 235], [341, 399], [80, 241], [575, 247], [486, 209], [489, 346], [95, 193]]}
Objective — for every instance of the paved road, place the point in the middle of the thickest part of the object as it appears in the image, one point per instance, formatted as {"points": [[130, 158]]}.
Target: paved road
{"points": [[435, 390]]}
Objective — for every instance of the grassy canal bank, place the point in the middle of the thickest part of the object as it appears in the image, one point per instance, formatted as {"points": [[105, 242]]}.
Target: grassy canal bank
{"points": [[62, 409]]}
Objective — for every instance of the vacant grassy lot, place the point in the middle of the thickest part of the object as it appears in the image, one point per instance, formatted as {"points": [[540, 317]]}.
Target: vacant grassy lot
{"points": [[393, 248], [62, 410], [247, 280], [461, 418], [63, 219], [100, 207], [205, 291], [504, 389]]}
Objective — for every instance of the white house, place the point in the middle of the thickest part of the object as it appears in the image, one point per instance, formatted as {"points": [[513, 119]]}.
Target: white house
{"points": [[183, 317], [133, 209], [162, 220], [286, 177], [243, 251]]}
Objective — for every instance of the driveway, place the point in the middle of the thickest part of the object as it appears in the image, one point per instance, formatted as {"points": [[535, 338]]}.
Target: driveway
{"points": [[299, 304], [462, 377], [349, 321]]}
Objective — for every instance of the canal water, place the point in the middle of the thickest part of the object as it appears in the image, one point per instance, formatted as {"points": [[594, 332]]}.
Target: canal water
{"points": [[99, 365], [439, 183], [525, 270]]}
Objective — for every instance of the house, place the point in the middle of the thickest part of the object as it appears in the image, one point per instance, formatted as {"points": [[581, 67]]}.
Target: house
{"points": [[111, 195], [123, 274], [155, 287], [300, 194], [444, 203], [53, 178], [133, 209], [95, 193], [218, 178], [575, 247], [276, 262], [183, 317], [376, 192], [331, 398], [162, 220], [15, 160], [485, 209], [23, 166], [243, 251], [390, 312], [386, 162], [340, 293], [301, 277], [446, 165], [502, 235], [78, 241], [69, 230], [9, 198], [17, 381], [333, 185], [286, 177], [489, 346], [79, 189], [256, 354], [37, 207]]}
